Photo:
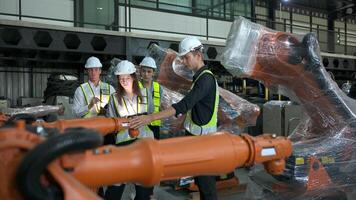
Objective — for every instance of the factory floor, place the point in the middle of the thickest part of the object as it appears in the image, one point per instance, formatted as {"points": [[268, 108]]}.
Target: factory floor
{"points": [[240, 192], [167, 192]]}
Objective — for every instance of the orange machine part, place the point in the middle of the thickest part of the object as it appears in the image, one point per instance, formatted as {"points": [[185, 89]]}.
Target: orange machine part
{"points": [[101, 124], [318, 176], [133, 132], [272, 61], [168, 77], [14, 142], [72, 189], [149, 161], [146, 161], [223, 184]]}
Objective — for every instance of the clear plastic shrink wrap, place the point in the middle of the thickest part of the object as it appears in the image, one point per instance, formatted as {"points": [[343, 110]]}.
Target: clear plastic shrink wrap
{"points": [[234, 112], [323, 164]]}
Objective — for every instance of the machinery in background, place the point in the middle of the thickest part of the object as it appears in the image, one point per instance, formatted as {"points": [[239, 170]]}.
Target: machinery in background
{"points": [[281, 117], [38, 162], [60, 91], [234, 114], [325, 140], [31, 114]]}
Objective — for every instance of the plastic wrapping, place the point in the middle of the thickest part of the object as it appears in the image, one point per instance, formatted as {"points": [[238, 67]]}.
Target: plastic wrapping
{"points": [[110, 76], [234, 112], [172, 126], [323, 161], [36, 111]]}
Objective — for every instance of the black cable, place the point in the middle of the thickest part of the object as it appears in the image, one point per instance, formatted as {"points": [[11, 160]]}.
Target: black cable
{"points": [[28, 118], [35, 162], [58, 87]]}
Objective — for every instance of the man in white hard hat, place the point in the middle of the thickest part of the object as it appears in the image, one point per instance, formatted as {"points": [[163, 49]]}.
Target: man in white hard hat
{"points": [[152, 91], [91, 97], [200, 105]]}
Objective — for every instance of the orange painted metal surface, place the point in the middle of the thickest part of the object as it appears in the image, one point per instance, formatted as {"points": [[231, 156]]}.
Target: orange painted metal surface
{"points": [[133, 133], [14, 142], [101, 124], [3, 118], [146, 161], [318, 176], [149, 161], [274, 62]]}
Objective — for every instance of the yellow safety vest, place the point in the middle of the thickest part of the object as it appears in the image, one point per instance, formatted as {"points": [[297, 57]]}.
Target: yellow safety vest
{"points": [[89, 94], [211, 126], [156, 99], [122, 111]]}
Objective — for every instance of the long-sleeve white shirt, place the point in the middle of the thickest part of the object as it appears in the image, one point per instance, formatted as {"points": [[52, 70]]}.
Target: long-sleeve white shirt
{"points": [[80, 106]]}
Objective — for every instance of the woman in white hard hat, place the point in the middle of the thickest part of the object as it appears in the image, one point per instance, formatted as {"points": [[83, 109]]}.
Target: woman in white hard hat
{"points": [[152, 91], [200, 105], [91, 97], [128, 102]]}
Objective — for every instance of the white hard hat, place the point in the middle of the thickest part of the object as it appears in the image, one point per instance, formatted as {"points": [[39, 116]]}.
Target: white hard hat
{"points": [[189, 44], [93, 62], [148, 62], [125, 67]]}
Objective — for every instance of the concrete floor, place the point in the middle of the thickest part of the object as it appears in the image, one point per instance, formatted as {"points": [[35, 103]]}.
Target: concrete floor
{"points": [[162, 192], [168, 193]]}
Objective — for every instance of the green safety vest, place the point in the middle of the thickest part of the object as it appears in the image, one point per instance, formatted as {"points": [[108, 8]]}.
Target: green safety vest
{"points": [[211, 126], [156, 99], [89, 94], [122, 111]]}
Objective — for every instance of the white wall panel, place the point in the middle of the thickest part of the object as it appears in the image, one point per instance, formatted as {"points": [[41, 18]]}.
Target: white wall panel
{"points": [[9, 6], [261, 10], [154, 20], [63, 9], [320, 21], [301, 18], [219, 28]]}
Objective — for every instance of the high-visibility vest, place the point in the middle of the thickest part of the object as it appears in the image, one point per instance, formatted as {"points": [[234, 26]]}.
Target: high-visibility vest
{"points": [[89, 94], [156, 97], [123, 111], [211, 126]]}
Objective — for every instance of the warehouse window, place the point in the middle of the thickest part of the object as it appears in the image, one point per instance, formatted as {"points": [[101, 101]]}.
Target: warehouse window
{"points": [[184, 6], [141, 3], [98, 13], [176, 5], [222, 9]]}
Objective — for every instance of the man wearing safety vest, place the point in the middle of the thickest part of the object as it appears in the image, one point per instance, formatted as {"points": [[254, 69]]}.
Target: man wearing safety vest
{"points": [[200, 105], [152, 91], [91, 97]]}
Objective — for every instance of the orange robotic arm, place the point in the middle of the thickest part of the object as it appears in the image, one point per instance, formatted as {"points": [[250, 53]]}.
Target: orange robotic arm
{"points": [[146, 161], [149, 161], [103, 125]]}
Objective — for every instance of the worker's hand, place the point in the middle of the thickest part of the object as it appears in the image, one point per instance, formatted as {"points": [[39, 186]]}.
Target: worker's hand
{"points": [[139, 121], [93, 101]]}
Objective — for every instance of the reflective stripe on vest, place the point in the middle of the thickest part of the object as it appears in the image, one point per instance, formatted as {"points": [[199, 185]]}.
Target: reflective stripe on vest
{"points": [[89, 94], [122, 110], [156, 98], [211, 126]]}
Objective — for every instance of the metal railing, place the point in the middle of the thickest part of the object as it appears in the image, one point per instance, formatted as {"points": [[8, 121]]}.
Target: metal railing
{"points": [[344, 42]]}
